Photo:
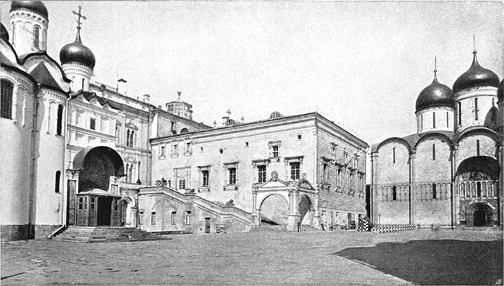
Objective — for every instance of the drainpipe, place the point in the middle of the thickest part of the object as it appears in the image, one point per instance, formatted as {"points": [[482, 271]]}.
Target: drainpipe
{"points": [[31, 194], [65, 159]]}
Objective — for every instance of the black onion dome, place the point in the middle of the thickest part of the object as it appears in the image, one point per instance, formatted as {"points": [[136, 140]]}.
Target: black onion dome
{"points": [[35, 6], [436, 94], [76, 52], [500, 91], [4, 34], [476, 76]]}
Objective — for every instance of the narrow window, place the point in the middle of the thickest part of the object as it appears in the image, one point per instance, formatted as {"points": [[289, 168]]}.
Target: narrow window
{"points": [[295, 170], [92, 123], [476, 109], [141, 217], [175, 149], [7, 89], [36, 37], [299, 137], [394, 193], [57, 182], [132, 139], [162, 151], [433, 151], [246, 144], [275, 151], [153, 218], [325, 173], [478, 189], [182, 184], [261, 173], [59, 123], [205, 175], [188, 148], [433, 119], [447, 119], [477, 147], [127, 137], [173, 216], [393, 155], [421, 122], [188, 218], [232, 176], [338, 178], [434, 192], [460, 113]]}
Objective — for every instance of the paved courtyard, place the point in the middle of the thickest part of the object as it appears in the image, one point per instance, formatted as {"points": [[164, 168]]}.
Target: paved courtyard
{"points": [[259, 257]]}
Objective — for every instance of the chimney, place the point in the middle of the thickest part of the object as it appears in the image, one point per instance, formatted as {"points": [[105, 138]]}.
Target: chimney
{"points": [[146, 98], [121, 86]]}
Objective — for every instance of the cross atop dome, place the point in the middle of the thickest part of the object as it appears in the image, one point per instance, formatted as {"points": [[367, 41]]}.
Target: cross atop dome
{"points": [[79, 22]]}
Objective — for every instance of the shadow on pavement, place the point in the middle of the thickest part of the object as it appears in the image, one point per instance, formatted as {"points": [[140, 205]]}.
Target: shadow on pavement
{"points": [[435, 262]]}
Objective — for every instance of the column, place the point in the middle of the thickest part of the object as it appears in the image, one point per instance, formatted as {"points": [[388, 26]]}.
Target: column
{"points": [[293, 219], [256, 214], [316, 216]]}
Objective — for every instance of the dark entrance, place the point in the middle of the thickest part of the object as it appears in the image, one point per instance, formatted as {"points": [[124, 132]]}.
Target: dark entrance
{"points": [[104, 210], [207, 225], [479, 218]]}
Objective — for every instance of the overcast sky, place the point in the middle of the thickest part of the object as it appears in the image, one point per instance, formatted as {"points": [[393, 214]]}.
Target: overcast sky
{"points": [[363, 64]]}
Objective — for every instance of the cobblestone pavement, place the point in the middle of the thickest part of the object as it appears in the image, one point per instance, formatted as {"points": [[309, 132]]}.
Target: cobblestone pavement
{"points": [[234, 258]]}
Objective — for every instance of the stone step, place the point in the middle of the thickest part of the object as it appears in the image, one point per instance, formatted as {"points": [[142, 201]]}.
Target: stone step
{"points": [[105, 234]]}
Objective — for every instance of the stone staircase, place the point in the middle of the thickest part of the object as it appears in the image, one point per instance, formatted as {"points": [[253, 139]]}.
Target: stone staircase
{"points": [[105, 234]]}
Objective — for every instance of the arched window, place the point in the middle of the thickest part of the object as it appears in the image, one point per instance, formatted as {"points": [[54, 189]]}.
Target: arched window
{"points": [[477, 147], [36, 37], [184, 131], [132, 139], [433, 119], [434, 192], [459, 113], [476, 109], [57, 182], [394, 193], [59, 123], [7, 89], [393, 155], [478, 189], [127, 137], [433, 151]]}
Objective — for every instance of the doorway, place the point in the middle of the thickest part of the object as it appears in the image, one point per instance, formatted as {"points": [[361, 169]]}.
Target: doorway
{"points": [[207, 225], [479, 218], [104, 210]]}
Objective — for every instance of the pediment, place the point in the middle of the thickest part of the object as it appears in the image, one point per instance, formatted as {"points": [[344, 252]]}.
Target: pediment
{"points": [[275, 184]]}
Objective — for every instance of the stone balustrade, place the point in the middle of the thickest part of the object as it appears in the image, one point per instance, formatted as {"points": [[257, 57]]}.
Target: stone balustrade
{"points": [[385, 228]]}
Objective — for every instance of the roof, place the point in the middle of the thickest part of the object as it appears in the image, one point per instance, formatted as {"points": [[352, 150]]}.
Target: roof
{"points": [[42, 75], [413, 139]]}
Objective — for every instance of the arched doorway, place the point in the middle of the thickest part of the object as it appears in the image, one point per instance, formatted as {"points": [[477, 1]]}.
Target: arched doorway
{"points": [[94, 204], [306, 210], [479, 214], [479, 218], [274, 210]]}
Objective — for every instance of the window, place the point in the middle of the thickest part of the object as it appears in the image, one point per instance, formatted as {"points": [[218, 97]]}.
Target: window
{"points": [[338, 178], [447, 119], [433, 151], [173, 216], [188, 218], [246, 144], [57, 182], [294, 170], [460, 113], [188, 149], [394, 193], [153, 218], [434, 193], [7, 89], [129, 173], [325, 173], [162, 151], [92, 203], [36, 37], [433, 119], [182, 184], [261, 172], [59, 123], [393, 155], [421, 122], [478, 189], [275, 151], [175, 149], [141, 217], [299, 137], [92, 123], [476, 109], [477, 147], [204, 178], [232, 176]]}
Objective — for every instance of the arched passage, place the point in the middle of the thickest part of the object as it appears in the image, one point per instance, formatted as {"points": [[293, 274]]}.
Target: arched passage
{"points": [[306, 210], [274, 210]]}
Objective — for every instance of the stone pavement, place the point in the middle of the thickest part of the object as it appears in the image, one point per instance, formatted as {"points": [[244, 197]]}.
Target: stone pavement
{"points": [[231, 258]]}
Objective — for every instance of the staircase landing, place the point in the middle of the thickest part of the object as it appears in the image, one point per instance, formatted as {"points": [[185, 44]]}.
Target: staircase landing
{"points": [[105, 234]]}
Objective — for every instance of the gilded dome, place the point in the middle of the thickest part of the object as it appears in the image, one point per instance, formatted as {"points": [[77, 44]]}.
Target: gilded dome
{"points": [[500, 91], [476, 76], [77, 53], [436, 94], [35, 6]]}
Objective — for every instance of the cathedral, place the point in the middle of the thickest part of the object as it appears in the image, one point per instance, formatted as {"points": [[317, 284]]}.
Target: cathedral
{"points": [[84, 153], [448, 173]]}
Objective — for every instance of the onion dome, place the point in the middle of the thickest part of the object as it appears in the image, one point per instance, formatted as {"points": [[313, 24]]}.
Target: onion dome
{"points": [[4, 34], [500, 91], [77, 53], [436, 94], [476, 76], [34, 6]]}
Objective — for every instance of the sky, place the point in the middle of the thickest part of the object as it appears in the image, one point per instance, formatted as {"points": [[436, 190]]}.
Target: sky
{"points": [[361, 64]]}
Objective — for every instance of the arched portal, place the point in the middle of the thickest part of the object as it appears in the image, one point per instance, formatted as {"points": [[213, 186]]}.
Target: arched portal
{"points": [[479, 214], [274, 210], [306, 210]]}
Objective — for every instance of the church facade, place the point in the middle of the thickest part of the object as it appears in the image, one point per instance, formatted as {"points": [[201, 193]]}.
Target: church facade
{"points": [[448, 173], [84, 153]]}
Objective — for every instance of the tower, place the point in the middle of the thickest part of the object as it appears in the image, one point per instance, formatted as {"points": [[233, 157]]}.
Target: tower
{"points": [[435, 107], [77, 60], [29, 23]]}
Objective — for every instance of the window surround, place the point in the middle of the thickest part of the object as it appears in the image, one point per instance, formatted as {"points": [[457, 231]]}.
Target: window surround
{"points": [[162, 151], [202, 170], [231, 186], [256, 164], [188, 148], [274, 148]]}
